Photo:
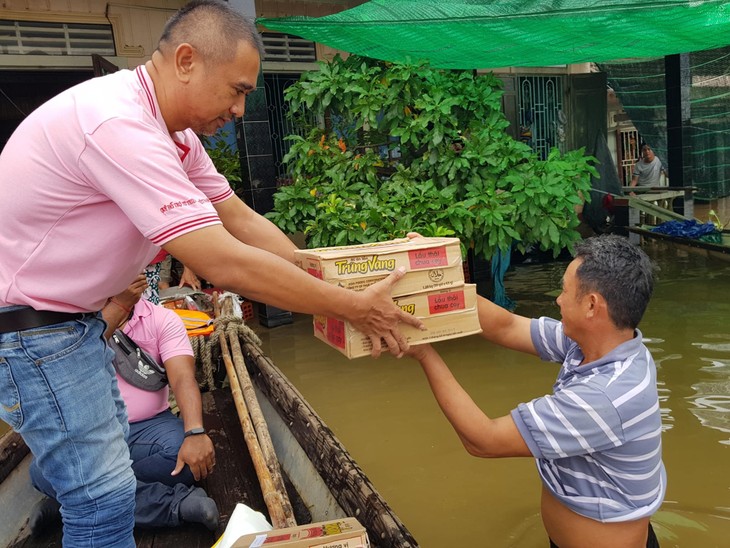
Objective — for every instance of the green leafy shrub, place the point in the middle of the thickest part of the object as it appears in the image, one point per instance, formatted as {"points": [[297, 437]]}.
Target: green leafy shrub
{"points": [[407, 147], [225, 157]]}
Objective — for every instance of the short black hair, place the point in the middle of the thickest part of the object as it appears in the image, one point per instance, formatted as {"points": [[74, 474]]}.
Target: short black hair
{"points": [[620, 272], [213, 28]]}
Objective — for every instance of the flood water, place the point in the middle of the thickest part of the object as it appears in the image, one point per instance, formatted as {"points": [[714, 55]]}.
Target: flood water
{"points": [[384, 413]]}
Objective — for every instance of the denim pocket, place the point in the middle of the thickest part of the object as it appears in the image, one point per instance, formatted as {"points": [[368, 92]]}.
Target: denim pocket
{"points": [[46, 344], [10, 410]]}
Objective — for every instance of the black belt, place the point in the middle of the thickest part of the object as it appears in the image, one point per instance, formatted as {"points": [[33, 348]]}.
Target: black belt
{"points": [[28, 318]]}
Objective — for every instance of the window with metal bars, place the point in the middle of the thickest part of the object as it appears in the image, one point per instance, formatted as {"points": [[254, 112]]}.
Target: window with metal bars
{"points": [[629, 153], [288, 48], [51, 38], [540, 108]]}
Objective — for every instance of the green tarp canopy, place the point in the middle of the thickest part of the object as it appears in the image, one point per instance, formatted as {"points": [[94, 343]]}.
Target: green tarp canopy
{"points": [[470, 34]]}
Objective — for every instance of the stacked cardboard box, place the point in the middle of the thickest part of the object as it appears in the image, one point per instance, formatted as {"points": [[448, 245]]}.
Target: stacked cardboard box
{"points": [[432, 289], [340, 533]]}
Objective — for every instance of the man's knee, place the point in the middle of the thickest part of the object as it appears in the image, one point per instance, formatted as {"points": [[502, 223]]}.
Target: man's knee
{"points": [[106, 519]]}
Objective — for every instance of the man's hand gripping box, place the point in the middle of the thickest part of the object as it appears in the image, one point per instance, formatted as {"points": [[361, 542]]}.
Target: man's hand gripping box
{"points": [[340, 533], [447, 314], [430, 263]]}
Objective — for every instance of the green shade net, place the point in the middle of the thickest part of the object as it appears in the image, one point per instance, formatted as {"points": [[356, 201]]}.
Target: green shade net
{"points": [[469, 34]]}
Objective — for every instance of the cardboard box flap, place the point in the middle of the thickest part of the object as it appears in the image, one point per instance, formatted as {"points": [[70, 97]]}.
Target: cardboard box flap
{"points": [[429, 263], [382, 258]]}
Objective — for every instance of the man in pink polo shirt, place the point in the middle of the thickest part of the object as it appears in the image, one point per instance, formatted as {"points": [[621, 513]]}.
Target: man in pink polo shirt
{"points": [[92, 184]]}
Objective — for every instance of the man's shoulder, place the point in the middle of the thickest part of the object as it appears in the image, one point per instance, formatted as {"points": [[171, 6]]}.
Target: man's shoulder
{"points": [[552, 344], [116, 100], [640, 166], [106, 91]]}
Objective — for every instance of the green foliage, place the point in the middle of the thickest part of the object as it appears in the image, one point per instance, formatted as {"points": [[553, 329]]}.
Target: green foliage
{"points": [[421, 150], [225, 157]]}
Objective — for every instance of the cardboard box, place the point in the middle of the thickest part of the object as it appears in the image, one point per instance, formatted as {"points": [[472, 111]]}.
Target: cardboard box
{"points": [[339, 533], [447, 314], [430, 263]]}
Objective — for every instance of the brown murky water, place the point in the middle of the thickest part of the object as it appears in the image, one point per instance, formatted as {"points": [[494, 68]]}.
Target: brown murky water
{"points": [[384, 413]]}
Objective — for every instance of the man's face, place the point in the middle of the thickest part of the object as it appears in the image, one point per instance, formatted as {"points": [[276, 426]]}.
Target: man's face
{"points": [[218, 92], [648, 155], [570, 301]]}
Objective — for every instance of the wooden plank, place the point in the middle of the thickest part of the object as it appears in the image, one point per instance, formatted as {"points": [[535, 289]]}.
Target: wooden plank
{"points": [[660, 188], [12, 451], [653, 209]]}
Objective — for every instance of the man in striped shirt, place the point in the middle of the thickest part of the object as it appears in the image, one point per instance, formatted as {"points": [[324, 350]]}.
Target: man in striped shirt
{"points": [[597, 438]]}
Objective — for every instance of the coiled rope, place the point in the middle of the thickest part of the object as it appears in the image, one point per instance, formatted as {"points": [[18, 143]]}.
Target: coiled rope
{"points": [[207, 350]]}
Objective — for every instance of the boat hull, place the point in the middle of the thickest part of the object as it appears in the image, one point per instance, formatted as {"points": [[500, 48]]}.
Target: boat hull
{"points": [[322, 479]]}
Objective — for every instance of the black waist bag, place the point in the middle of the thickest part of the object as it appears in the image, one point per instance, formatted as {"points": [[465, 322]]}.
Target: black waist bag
{"points": [[134, 365]]}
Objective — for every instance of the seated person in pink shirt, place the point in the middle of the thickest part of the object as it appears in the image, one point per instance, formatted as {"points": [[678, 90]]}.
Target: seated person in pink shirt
{"points": [[169, 453]]}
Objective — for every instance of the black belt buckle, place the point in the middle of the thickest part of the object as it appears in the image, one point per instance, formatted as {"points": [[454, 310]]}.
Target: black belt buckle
{"points": [[21, 319]]}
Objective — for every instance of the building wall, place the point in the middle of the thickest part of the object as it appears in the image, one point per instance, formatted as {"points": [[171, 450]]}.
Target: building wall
{"points": [[136, 26], [314, 8]]}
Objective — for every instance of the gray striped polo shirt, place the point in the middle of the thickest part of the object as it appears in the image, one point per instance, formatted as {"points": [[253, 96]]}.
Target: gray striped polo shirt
{"points": [[597, 438]]}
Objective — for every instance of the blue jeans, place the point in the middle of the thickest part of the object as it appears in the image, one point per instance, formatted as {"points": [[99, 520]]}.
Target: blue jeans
{"points": [[156, 504], [58, 390], [153, 445]]}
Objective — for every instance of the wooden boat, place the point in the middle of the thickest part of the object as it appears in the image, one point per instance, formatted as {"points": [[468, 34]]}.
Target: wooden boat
{"points": [[322, 479], [709, 249]]}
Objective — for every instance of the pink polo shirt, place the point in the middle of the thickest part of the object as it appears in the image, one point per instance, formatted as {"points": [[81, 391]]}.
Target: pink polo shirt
{"points": [[91, 185], [161, 333]]}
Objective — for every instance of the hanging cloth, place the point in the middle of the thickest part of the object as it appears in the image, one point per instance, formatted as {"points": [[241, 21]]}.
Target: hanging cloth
{"points": [[500, 264]]}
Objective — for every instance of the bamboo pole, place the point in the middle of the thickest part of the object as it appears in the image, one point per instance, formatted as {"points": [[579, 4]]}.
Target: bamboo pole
{"points": [[259, 424], [227, 306], [272, 497], [216, 305]]}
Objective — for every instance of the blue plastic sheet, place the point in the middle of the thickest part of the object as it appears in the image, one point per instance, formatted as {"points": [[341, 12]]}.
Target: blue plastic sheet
{"points": [[690, 228]]}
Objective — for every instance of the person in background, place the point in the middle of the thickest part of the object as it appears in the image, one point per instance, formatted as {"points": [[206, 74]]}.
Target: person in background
{"points": [[648, 170], [158, 274], [187, 277], [597, 437], [120, 154], [153, 277], [169, 453]]}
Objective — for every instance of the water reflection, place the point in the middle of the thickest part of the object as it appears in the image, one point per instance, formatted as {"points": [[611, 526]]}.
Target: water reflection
{"points": [[654, 344], [712, 399]]}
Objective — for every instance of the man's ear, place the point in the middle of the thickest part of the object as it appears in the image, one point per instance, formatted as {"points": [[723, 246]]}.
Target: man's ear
{"points": [[185, 59], [593, 302]]}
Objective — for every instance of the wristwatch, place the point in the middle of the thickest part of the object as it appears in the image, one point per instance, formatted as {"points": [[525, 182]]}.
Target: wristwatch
{"points": [[195, 431]]}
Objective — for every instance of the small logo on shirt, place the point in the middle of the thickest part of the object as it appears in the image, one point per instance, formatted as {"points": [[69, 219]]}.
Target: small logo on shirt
{"points": [[183, 203]]}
